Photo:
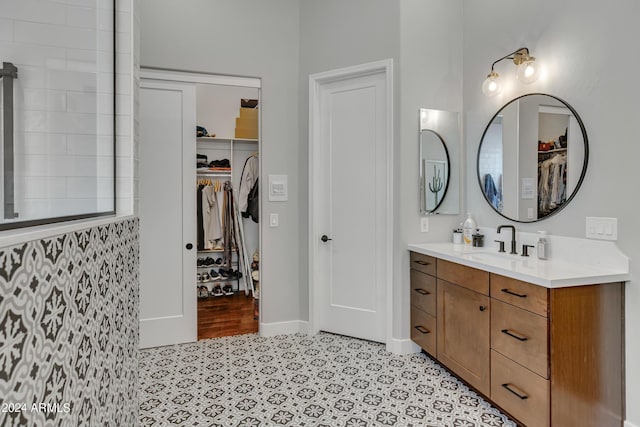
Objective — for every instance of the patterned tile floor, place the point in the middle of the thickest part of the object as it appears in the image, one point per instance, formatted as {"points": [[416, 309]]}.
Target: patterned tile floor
{"points": [[300, 380]]}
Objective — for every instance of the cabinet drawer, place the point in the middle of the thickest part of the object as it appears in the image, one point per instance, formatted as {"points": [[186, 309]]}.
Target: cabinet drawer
{"points": [[461, 275], [521, 336], [519, 391], [521, 294], [423, 292], [423, 330], [424, 263]]}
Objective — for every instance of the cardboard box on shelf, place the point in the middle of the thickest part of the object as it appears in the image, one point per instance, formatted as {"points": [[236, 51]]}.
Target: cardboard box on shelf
{"points": [[246, 123], [249, 113], [247, 133]]}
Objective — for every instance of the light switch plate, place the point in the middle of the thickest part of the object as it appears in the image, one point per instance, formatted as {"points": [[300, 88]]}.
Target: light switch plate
{"points": [[601, 228], [274, 220], [278, 188]]}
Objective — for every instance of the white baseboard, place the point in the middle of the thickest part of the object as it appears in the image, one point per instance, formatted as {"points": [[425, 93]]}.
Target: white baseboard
{"points": [[283, 328], [628, 424], [405, 346]]}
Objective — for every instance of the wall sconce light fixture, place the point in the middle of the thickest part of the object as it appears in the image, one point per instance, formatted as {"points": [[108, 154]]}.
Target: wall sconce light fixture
{"points": [[527, 72]]}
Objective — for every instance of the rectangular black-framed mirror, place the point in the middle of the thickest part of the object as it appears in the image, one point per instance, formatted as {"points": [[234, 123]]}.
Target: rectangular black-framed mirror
{"points": [[439, 156]]}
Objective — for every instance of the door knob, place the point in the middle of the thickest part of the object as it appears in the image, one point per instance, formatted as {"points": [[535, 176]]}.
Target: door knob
{"points": [[324, 238], [483, 308], [189, 246]]}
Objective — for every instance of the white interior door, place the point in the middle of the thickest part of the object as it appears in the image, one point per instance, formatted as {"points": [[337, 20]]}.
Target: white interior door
{"points": [[350, 205], [168, 303]]}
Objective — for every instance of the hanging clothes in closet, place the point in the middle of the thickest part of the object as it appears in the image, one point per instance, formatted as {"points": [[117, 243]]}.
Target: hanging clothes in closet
{"points": [[552, 183], [208, 215], [248, 194]]}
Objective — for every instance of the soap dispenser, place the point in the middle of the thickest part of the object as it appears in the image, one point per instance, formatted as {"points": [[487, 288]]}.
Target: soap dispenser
{"points": [[468, 227], [543, 245]]}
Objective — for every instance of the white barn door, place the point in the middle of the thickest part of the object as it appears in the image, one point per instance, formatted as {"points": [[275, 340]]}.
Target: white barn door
{"points": [[168, 302]]}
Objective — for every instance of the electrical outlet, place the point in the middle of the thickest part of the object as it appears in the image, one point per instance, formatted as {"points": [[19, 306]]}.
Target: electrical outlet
{"points": [[424, 224]]}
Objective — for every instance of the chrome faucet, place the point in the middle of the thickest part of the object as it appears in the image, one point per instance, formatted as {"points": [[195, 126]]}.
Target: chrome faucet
{"points": [[513, 237]]}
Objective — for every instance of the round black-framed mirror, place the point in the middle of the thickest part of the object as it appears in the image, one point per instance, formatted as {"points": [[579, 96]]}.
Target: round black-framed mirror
{"points": [[435, 170], [532, 157]]}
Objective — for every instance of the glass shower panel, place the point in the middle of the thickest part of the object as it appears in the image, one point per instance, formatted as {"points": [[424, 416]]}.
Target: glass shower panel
{"points": [[59, 161]]}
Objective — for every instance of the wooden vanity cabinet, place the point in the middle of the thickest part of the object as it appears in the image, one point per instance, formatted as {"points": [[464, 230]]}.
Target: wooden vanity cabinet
{"points": [[423, 302], [463, 316], [546, 356]]}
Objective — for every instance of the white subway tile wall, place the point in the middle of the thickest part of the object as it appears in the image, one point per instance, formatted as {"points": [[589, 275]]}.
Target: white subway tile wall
{"points": [[64, 101]]}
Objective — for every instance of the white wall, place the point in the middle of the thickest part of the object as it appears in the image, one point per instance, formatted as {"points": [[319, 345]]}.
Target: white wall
{"points": [[430, 74], [256, 39], [336, 34], [583, 46]]}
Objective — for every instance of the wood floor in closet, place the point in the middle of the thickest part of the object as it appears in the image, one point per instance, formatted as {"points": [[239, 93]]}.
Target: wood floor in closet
{"points": [[225, 316]]}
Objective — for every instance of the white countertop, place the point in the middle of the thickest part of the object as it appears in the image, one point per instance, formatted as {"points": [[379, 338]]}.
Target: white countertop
{"points": [[552, 273]]}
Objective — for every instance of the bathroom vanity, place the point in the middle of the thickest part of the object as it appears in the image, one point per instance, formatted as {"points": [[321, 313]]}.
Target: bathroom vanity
{"points": [[543, 340]]}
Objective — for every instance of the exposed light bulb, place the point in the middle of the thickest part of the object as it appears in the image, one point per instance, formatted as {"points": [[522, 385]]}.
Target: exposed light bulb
{"points": [[527, 72], [491, 85]]}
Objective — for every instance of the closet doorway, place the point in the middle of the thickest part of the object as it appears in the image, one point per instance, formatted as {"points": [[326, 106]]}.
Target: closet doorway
{"points": [[220, 232]]}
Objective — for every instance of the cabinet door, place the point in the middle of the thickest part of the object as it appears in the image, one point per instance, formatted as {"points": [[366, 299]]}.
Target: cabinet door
{"points": [[463, 334]]}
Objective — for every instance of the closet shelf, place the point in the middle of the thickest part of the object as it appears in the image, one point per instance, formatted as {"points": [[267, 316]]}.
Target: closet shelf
{"points": [[213, 173], [221, 280], [225, 140], [217, 265], [215, 250], [557, 150]]}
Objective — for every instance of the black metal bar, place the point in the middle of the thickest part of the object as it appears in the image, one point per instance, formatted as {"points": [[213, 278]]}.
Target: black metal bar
{"points": [[521, 396], [507, 291], [422, 329], [8, 73], [508, 332], [509, 56]]}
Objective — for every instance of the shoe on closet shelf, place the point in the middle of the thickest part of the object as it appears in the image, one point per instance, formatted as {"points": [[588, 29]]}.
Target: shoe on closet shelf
{"points": [[208, 262], [200, 262], [214, 275], [223, 272], [198, 278], [217, 291], [206, 277], [228, 290], [203, 292], [219, 261]]}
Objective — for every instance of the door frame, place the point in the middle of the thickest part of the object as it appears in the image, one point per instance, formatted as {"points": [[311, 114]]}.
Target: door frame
{"points": [[199, 77], [316, 81]]}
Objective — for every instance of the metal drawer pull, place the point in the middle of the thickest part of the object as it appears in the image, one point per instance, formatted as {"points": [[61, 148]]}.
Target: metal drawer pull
{"points": [[422, 329], [506, 331], [521, 396], [422, 262], [507, 291], [422, 291]]}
